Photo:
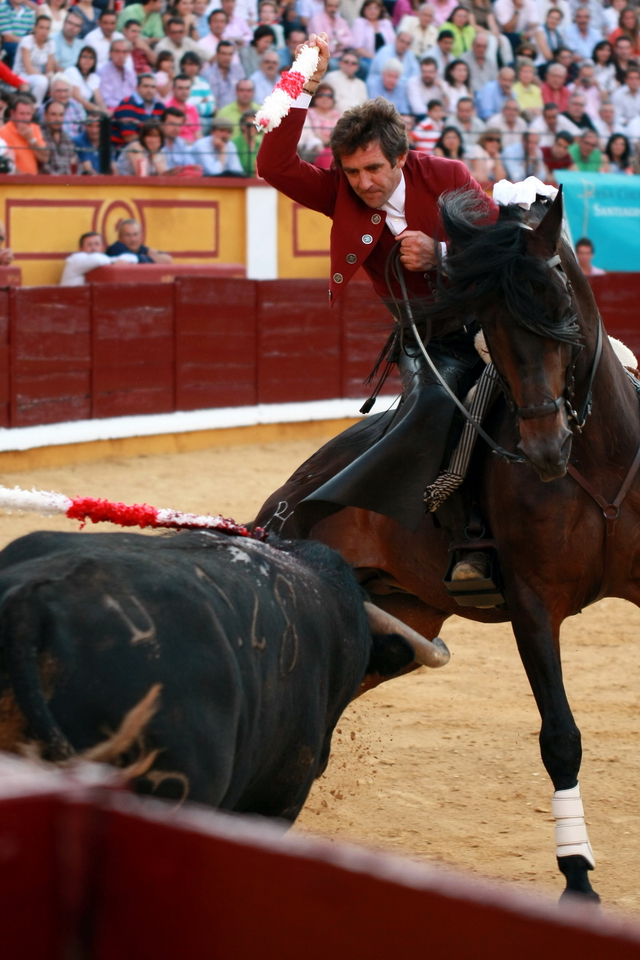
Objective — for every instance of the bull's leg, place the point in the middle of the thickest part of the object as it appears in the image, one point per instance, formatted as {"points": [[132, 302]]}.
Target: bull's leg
{"points": [[560, 746]]}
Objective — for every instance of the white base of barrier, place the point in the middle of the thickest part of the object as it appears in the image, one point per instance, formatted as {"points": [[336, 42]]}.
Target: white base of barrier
{"points": [[181, 421]]}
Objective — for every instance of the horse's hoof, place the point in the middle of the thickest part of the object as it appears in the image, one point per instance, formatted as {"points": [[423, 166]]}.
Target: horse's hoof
{"points": [[576, 872], [580, 896], [475, 566]]}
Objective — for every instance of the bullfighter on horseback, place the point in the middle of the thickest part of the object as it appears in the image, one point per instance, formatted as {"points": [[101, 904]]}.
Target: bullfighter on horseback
{"points": [[383, 200]]}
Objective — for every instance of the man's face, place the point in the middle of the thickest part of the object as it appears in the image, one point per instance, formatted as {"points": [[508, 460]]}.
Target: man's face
{"points": [[565, 58], [217, 23], [108, 24], [224, 57], [147, 89], [551, 118], [61, 94], [425, 17], [132, 33], [331, 7], [92, 129], [176, 33], [510, 111], [480, 47], [464, 111], [428, 72], [556, 77], [533, 142], [633, 80], [403, 42], [505, 79], [445, 44], [271, 65], [22, 114], [588, 143], [172, 127], [92, 244], [560, 148], [72, 27], [586, 76], [349, 65], [371, 176], [575, 107], [54, 115], [582, 20], [131, 235], [244, 93], [526, 75], [623, 48], [41, 30], [229, 7], [584, 257], [220, 138], [437, 113], [119, 55], [181, 90], [296, 37], [607, 112], [390, 79]]}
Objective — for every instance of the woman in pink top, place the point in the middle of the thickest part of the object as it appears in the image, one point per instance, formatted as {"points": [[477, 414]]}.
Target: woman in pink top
{"points": [[371, 30], [404, 8]]}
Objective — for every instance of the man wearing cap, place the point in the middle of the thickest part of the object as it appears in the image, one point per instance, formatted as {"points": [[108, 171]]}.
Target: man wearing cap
{"points": [[383, 200], [217, 156]]}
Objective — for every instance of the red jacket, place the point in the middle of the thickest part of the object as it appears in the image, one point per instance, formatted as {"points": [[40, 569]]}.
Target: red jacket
{"points": [[358, 237]]}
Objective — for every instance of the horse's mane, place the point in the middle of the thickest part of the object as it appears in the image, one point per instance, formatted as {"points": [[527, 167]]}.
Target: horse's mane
{"points": [[489, 261]]}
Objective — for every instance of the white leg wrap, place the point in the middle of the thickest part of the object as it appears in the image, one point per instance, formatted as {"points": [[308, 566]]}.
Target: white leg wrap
{"points": [[571, 831]]}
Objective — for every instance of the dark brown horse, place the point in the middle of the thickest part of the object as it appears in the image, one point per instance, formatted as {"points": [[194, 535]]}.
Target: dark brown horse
{"points": [[557, 551]]}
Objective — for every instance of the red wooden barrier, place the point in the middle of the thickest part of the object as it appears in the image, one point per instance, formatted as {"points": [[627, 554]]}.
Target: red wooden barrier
{"points": [[366, 324], [133, 349], [618, 298], [123, 272], [5, 366], [298, 342], [216, 343], [50, 354]]}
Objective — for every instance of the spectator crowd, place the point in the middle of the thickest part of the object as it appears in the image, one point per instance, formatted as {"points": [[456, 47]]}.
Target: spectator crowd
{"points": [[156, 87]]}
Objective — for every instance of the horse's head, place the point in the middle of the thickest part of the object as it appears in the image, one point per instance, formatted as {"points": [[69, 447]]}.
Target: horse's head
{"points": [[509, 277]]}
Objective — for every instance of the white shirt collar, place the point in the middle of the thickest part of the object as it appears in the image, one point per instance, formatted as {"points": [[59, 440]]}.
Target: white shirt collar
{"points": [[395, 205]]}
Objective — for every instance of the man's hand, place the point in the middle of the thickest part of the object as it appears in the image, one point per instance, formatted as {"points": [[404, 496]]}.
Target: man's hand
{"points": [[6, 256], [417, 250], [320, 41]]}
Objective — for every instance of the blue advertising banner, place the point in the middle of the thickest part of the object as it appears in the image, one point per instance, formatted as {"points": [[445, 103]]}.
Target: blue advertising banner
{"points": [[606, 208]]}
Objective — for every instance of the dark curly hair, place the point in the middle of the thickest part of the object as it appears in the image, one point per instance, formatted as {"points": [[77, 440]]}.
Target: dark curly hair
{"points": [[376, 121]]}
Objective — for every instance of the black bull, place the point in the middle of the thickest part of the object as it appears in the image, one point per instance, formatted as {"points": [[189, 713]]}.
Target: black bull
{"points": [[258, 651]]}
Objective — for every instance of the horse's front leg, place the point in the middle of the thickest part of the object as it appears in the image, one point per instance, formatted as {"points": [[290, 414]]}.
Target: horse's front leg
{"points": [[537, 636]]}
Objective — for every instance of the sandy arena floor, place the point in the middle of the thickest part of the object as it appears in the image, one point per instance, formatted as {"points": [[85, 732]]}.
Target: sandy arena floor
{"points": [[441, 765]]}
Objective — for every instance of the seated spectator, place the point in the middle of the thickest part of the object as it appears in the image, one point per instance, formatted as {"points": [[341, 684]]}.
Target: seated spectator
{"points": [[90, 256], [426, 133], [62, 159], [526, 92], [580, 36], [509, 123], [288, 55], [74, 113], [143, 57], [191, 131], [482, 68], [586, 154], [35, 61], [618, 153], [322, 115], [449, 145], [183, 9], [595, 9], [604, 68], [442, 10], [371, 30], [463, 32], [200, 96], [57, 11], [117, 80], [585, 85], [517, 19], [247, 143], [428, 86], [554, 89], [23, 137], [524, 159], [223, 75], [484, 158], [464, 120], [391, 85], [265, 79], [607, 123], [130, 241], [148, 14], [622, 58], [549, 37], [421, 28], [135, 110], [67, 42], [626, 99], [348, 90], [264, 39], [9, 79], [441, 51], [103, 36], [217, 156], [89, 14], [628, 27], [585, 251], [611, 15], [177, 150], [217, 22], [456, 83], [85, 82], [557, 156], [243, 102], [16, 21], [87, 146], [178, 43], [269, 16], [337, 29], [400, 50], [237, 29], [491, 99], [575, 119], [145, 156], [564, 57], [165, 74], [547, 125]]}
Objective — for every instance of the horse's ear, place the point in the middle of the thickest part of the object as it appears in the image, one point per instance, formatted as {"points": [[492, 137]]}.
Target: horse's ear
{"points": [[546, 235]]}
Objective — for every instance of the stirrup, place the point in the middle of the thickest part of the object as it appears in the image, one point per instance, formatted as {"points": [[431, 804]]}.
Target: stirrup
{"points": [[475, 593]]}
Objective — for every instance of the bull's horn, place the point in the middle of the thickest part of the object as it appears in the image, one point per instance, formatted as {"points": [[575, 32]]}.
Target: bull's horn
{"points": [[430, 653]]}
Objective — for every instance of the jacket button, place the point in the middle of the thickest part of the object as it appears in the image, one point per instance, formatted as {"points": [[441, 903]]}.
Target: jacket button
{"points": [[351, 258], [367, 238], [337, 278], [376, 218]]}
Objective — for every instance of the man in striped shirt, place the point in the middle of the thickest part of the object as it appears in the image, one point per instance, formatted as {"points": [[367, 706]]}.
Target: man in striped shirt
{"points": [[132, 111], [16, 20]]}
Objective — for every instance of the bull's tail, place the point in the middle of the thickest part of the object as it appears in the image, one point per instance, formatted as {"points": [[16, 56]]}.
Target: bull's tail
{"points": [[20, 633]]}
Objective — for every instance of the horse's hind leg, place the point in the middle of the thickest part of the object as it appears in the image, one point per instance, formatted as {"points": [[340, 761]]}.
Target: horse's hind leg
{"points": [[560, 746]]}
